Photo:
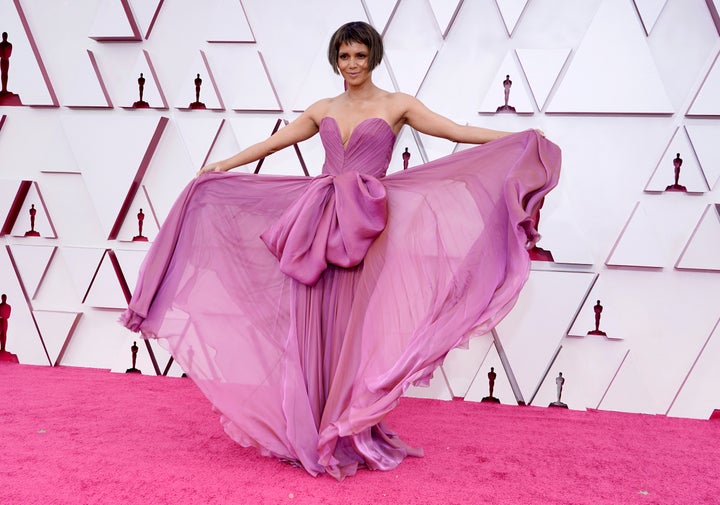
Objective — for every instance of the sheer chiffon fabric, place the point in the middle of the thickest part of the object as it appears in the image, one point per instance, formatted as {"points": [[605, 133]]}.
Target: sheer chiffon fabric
{"points": [[303, 308]]}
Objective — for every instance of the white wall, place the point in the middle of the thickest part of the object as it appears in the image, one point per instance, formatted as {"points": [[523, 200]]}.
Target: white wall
{"points": [[620, 85]]}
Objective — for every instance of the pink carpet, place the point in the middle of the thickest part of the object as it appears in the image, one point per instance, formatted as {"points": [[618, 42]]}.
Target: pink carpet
{"points": [[81, 436]]}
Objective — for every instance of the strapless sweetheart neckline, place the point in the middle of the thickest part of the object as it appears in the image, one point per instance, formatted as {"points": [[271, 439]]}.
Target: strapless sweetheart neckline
{"points": [[361, 123]]}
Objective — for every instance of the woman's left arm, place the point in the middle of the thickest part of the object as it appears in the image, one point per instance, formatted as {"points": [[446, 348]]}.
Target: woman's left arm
{"points": [[417, 115]]}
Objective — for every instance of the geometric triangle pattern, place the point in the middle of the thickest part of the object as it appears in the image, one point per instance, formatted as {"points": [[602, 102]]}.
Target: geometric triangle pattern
{"points": [[511, 10], [620, 66], [142, 89], [622, 86], [28, 81], [229, 23], [508, 90], [678, 167], [114, 22], [87, 89], [705, 237], [649, 11], [706, 101]]}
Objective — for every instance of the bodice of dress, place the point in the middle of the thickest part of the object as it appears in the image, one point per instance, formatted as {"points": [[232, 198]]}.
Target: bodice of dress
{"points": [[343, 210], [368, 149]]}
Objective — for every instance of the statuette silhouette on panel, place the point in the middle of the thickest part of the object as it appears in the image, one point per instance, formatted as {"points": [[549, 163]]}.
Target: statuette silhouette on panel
{"points": [[32, 232], [559, 383], [406, 158], [677, 163], [598, 312], [134, 351], [197, 104], [507, 84], [140, 237], [491, 386], [141, 104], [7, 97], [5, 310]]}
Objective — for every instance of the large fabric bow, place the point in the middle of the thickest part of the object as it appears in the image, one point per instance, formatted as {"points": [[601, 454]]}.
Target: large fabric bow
{"points": [[335, 221]]}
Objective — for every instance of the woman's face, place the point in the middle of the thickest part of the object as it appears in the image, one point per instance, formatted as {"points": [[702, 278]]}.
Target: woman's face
{"points": [[352, 62]]}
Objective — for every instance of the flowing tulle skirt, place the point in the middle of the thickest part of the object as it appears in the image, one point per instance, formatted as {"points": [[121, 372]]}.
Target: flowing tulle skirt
{"points": [[307, 373]]}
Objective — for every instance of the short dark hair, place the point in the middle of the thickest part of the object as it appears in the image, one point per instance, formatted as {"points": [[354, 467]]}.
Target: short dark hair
{"points": [[356, 31]]}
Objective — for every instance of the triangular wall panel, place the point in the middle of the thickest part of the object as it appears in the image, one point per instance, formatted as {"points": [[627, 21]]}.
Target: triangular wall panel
{"points": [[691, 175], [209, 94], [56, 328], [23, 339], [28, 78], [412, 47], [228, 23], [114, 22], [702, 252], [621, 66], [532, 332], [445, 12], [32, 263], [707, 99], [518, 96], [123, 147], [542, 68], [145, 12], [33, 219], [649, 11], [199, 135], [655, 232], [87, 90], [380, 12], [152, 94], [511, 10], [704, 139]]}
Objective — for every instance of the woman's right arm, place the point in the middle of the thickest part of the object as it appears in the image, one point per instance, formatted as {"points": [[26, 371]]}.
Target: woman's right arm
{"points": [[298, 130]]}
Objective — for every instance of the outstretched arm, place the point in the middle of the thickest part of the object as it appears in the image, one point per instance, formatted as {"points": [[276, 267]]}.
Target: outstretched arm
{"points": [[426, 121], [298, 130]]}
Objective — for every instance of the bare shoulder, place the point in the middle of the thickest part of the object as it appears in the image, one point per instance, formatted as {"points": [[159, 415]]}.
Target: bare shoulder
{"points": [[319, 109]]}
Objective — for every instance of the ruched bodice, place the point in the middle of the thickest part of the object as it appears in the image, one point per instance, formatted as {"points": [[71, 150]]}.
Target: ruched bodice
{"points": [[368, 150]]}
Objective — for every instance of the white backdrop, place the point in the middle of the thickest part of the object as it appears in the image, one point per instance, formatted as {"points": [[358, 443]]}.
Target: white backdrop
{"points": [[622, 86]]}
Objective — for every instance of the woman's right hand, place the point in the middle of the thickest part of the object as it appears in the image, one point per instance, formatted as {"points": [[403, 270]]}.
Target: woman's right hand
{"points": [[210, 167]]}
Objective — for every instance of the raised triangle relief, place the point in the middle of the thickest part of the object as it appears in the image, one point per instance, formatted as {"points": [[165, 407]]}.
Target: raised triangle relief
{"points": [[701, 251], [612, 75], [412, 48], [199, 91], [114, 22], [380, 12], [145, 13], [142, 89], [28, 82], [649, 11], [704, 140], [542, 68], [228, 23], [655, 232], [113, 188], [510, 11], [508, 92], [32, 263], [29, 216], [678, 168], [445, 12], [87, 90], [707, 99], [57, 329]]}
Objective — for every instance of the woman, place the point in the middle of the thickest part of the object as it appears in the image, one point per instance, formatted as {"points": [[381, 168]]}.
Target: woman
{"points": [[304, 307]]}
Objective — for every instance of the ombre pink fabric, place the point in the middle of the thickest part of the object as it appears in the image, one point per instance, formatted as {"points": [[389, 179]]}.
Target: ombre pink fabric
{"points": [[304, 339]]}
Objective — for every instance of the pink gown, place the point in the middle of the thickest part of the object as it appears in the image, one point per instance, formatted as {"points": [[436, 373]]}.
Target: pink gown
{"points": [[304, 307]]}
